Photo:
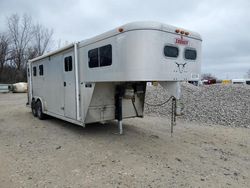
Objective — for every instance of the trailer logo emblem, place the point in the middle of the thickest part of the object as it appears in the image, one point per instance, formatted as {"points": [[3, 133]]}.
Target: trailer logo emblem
{"points": [[181, 41], [181, 67]]}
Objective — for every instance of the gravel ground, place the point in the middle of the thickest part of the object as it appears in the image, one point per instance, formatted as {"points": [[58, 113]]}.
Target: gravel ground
{"points": [[54, 153], [227, 105]]}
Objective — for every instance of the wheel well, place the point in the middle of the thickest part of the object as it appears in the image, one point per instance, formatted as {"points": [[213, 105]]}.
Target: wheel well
{"points": [[35, 100], [40, 100]]}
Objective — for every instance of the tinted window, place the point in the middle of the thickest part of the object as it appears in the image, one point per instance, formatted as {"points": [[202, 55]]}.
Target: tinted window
{"points": [[171, 51], [68, 64], [105, 55], [93, 58], [34, 71], [190, 54], [40, 70], [100, 57]]}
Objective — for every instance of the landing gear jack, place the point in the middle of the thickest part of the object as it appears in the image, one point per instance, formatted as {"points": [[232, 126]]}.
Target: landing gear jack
{"points": [[118, 99], [120, 127], [173, 116]]}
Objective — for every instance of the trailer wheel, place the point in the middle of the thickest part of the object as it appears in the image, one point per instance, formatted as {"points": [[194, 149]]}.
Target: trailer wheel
{"points": [[33, 108], [39, 109]]}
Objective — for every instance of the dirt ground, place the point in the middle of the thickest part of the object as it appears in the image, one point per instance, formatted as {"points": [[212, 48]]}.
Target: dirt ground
{"points": [[54, 153]]}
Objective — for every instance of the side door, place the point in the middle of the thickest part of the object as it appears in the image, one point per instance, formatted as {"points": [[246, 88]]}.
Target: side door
{"points": [[69, 86]]}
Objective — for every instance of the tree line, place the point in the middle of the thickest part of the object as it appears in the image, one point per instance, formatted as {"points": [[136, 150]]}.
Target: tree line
{"points": [[21, 40]]}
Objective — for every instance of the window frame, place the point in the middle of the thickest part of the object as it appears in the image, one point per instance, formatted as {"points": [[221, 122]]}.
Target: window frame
{"points": [[34, 71], [171, 45], [99, 57], [41, 70], [99, 53], [68, 68], [189, 48]]}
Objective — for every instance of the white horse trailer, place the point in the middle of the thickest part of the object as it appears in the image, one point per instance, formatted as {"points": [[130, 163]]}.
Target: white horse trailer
{"points": [[104, 78]]}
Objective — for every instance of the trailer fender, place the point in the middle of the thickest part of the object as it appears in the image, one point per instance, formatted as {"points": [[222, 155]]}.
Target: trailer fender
{"points": [[36, 99]]}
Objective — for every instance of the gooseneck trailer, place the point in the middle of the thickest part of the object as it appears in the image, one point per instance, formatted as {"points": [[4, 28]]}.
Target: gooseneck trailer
{"points": [[104, 78]]}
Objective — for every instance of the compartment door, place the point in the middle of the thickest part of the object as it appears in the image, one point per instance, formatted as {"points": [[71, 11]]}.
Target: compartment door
{"points": [[69, 86]]}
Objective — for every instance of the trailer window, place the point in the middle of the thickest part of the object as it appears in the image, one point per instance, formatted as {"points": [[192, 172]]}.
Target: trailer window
{"points": [[93, 58], [100, 57], [68, 64], [41, 70], [105, 55], [171, 51], [190, 54], [34, 71]]}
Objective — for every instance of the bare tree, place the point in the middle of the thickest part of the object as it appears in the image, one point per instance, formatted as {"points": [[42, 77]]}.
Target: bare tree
{"points": [[4, 47], [41, 40], [20, 32], [208, 76], [23, 41]]}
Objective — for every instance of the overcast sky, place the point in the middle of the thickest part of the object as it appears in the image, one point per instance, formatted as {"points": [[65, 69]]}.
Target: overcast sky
{"points": [[224, 25]]}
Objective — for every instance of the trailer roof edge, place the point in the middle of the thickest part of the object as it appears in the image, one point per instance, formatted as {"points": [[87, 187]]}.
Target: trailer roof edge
{"points": [[53, 52]]}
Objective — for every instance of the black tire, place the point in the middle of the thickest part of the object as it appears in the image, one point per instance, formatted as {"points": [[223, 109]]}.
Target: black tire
{"points": [[39, 109], [33, 108]]}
